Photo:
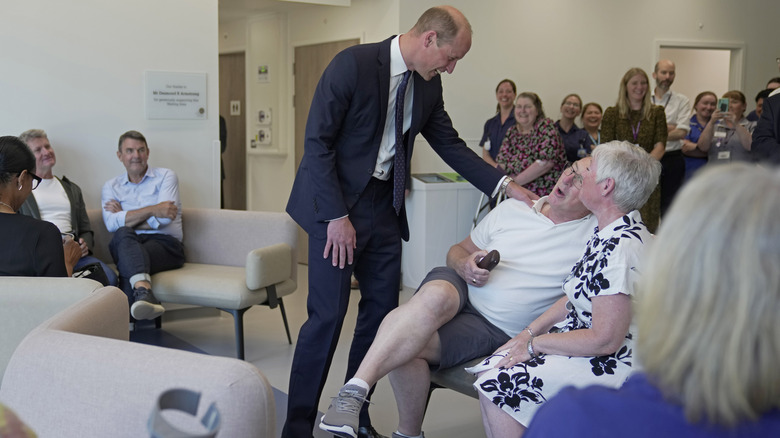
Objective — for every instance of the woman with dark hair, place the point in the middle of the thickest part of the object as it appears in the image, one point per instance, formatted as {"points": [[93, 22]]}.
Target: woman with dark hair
{"points": [[635, 119], [728, 135], [592, 113], [31, 247], [575, 140], [497, 126], [703, 107], [532, 152]]}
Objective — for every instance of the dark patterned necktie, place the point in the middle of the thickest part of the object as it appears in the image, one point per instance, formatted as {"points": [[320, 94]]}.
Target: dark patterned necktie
{"points": [[399, 162]]}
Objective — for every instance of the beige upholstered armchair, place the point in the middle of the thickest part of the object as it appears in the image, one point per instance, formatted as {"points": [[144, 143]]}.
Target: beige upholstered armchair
{"points": [[234, 260]]}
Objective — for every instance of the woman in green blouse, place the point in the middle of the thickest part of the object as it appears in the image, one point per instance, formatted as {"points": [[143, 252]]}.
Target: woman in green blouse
{"points": [[634, 118]]}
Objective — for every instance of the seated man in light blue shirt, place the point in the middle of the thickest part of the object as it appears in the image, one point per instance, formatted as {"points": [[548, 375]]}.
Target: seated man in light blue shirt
{"points": [[143, 210]]}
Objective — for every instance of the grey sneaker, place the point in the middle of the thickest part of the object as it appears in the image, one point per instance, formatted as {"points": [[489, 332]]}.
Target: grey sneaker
{"points": [[146, 306], [342, 416], [397, 435]]}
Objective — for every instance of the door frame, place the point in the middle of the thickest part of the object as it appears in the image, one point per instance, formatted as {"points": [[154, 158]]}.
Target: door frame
{"points": [[737, 62]]}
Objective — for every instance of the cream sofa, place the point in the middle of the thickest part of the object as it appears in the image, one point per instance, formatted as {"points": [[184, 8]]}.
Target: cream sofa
{"points": [[76, 375], [234, 260], [25, 303]]}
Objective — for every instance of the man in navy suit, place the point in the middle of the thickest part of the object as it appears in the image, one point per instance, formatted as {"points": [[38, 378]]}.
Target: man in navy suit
{"points": [[766, 136], [348, 192]]}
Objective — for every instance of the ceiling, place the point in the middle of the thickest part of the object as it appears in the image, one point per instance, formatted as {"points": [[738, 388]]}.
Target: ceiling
{"points": [[230, 10]]}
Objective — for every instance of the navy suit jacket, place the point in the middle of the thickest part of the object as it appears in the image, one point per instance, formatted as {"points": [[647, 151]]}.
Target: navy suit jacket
{"points": [[766, 136], [344, 129]]}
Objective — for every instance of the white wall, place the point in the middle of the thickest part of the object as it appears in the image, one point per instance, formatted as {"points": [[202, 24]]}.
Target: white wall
{"points": [[553, 48], [270, 39], [561, 46], [76, 70]]}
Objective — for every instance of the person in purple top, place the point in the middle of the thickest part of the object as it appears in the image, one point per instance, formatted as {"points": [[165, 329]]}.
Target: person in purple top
{"points": [[496, 127], [706, 321]]}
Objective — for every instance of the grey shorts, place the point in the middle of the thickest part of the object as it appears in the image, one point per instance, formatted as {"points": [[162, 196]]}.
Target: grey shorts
{"points": [[468, 335]]}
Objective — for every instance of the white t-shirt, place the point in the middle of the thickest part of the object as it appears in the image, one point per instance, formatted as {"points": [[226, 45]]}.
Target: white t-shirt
{"points": [[53, 204], [536, 256]]}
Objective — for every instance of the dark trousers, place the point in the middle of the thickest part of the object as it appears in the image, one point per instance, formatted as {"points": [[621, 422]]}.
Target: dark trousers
{"points": [[672, 177], [143, 253], [377, 267]]}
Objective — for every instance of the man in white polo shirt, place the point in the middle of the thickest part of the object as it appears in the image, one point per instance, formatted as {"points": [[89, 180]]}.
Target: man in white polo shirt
{"points": [[678, 112], [461, 311]]}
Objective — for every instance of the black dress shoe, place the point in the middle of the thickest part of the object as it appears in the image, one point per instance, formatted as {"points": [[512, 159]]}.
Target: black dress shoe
{"points": [[369, 432]]}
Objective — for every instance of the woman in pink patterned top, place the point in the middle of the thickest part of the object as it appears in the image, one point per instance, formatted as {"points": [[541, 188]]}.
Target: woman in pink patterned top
{"points": [[532, 153]]}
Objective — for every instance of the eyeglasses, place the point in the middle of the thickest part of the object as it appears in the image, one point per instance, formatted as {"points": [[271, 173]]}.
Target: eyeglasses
{"points": [[574, 104], [35, 180], [576, 179]]}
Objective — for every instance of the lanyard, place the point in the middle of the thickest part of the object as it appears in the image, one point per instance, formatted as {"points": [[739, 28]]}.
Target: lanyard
{"points": [[634, 130], [595, 141], [668, 98]]}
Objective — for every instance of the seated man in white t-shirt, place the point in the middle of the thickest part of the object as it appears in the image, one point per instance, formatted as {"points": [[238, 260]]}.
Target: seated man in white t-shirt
{"points": [[461, 311], [60, 202]]}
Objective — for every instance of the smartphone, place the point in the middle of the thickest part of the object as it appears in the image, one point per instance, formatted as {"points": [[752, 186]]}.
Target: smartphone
{"points": [[723, 105]]}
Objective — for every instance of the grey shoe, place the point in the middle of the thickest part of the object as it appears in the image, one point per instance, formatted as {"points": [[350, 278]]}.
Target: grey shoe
{"points": [[342, 416], [146, 306]]}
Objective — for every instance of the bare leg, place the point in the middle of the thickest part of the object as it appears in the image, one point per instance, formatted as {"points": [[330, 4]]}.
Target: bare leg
{"points": [[410, 385], [406, 332], [497, 422], [143, 283]]}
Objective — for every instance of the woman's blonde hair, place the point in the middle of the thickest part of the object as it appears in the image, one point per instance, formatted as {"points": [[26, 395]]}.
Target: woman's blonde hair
{"points": [[623, 105], [709, 299]]}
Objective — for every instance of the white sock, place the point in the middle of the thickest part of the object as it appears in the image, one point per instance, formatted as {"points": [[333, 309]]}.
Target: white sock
{"points": [[359, 382], [408, 436]]}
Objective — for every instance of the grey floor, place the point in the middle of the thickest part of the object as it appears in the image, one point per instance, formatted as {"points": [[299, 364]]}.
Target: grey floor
{"points": [[450, 414]]}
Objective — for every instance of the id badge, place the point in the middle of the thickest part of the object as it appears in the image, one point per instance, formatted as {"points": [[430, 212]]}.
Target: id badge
{"points": [[719, 134], [724, 155]]}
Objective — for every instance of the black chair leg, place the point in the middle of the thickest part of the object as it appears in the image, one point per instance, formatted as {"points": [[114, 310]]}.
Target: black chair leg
{"points": [[284, 318], [238, 319], [158, 322]]}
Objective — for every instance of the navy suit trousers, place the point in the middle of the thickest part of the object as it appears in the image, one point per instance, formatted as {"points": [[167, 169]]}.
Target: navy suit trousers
{"points": [[377, 267]]}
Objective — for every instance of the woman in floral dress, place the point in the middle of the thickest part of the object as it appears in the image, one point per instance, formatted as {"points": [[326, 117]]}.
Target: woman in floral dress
{"points": [[585, 338], [532, 153]]}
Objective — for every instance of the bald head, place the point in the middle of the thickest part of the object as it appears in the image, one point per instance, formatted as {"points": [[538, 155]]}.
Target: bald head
{"points": [[440, 38], [446, 21], [664, 73]]}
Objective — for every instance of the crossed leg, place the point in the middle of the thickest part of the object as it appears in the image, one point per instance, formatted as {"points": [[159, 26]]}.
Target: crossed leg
{"points": [[409, 331]]}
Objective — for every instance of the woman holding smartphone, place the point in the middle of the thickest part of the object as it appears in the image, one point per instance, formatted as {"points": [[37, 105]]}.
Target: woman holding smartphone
{"points": [[727, 136], [703, 107]]}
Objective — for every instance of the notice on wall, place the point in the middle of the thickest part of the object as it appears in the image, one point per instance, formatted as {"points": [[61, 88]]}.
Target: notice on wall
{"points": [[179, 96]]}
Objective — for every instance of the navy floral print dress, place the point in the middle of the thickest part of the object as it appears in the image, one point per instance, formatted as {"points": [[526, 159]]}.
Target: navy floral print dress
{"points": [[609, 266]]}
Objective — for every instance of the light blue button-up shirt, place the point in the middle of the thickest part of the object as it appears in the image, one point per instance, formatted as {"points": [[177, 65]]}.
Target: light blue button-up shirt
{"points": [[158, 185]]}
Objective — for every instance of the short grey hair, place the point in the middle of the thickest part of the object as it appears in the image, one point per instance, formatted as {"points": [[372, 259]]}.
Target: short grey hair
{"points": [[134, 135], [633, 170], [32, 133], [709, 297]]}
